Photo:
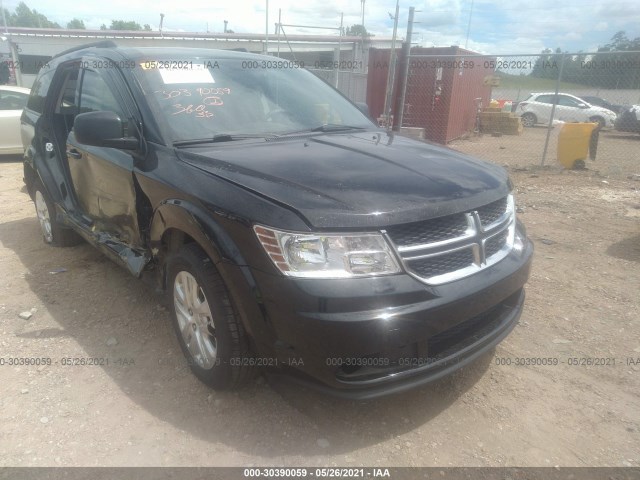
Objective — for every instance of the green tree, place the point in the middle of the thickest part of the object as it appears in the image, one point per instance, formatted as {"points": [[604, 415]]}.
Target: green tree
{"points": [[539, 70], [620, 43], [573, 70], [7, 15], [617, 64], [127, 25], [76, 24], [548, 64], [357, 31], [23, 16]]}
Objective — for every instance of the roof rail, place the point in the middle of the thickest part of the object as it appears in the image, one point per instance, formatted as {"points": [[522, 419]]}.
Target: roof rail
{"points": [[101, 44]]}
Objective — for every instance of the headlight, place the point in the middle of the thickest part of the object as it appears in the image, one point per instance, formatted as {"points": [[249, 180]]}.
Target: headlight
{"points": [[329, 255]]}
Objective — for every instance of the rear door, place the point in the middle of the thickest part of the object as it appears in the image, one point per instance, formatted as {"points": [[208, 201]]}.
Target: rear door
{"points": [[568, 109], [542, 107], [103, 177], [11, 105]]}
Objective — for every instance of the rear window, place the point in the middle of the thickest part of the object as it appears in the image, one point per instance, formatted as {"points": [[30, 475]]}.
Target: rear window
{"points": [[39, 92], [545, 99], [12, 100]]}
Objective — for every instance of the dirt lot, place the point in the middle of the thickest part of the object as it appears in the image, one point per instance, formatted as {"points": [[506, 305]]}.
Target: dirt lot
{"points": [[144, 408]]}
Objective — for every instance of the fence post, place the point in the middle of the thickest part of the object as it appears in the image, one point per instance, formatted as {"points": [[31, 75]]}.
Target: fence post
{"points": [[406, 53], [553, 110], [392, 71]]}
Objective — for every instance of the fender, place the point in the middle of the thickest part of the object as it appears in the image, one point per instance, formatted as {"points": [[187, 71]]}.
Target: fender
{"points": [[36, 169], [198, 223]]}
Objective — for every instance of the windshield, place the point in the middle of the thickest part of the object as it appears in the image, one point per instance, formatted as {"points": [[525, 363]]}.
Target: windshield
{"points": [[203, 98]]}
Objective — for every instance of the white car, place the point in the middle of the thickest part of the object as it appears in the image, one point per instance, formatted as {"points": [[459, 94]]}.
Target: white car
{"points": [[12, 101], [537, 109]]}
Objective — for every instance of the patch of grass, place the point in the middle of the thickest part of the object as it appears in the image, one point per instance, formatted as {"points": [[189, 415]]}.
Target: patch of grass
{"points": [[534, 84]]}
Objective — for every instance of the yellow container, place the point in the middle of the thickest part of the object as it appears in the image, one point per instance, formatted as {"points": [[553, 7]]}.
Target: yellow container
{"points": [[573, 143]]}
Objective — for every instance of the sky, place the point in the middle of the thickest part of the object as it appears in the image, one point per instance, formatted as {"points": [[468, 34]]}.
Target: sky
{"points": [[496, 27]]}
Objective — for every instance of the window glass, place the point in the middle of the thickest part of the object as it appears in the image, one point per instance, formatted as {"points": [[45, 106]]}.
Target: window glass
{"points": [[68, 98], [567, 101], [31, 64], [545, 99], [96, 96], [196, 100], [12, 100], [39, 92]]}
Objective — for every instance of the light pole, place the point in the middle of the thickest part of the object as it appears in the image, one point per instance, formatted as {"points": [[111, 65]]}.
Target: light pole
{"points": [[266, 30], [392, 70], [4, 19], [469, 25], [161, 22], [13, 50]]}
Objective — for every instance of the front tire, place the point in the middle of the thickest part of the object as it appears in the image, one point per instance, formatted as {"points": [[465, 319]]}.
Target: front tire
{"points": [[53, 233], [210, 334], [529, 119]]}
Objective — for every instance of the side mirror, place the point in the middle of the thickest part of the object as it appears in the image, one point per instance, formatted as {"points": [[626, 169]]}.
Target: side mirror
{"points": [[583, 105], [363, 107], [102, 129]]}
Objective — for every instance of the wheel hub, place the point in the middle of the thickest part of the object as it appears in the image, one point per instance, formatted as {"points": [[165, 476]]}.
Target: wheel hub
{"points": [[195, 320]]}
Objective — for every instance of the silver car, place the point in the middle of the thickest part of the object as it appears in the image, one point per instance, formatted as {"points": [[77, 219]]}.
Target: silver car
{"points": [[12, 101], [569, 108]]}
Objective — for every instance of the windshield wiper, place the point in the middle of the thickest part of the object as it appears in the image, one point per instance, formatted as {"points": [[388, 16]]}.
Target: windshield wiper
{"points": [[335, 127], [218, 137], [327, 127]]}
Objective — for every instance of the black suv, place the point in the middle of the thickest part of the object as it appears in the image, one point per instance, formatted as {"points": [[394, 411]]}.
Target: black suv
{"points": [[287, 229]]}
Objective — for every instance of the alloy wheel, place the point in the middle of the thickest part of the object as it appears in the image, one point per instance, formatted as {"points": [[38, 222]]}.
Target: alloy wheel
{"points": [[43, 217], [195, 320]]}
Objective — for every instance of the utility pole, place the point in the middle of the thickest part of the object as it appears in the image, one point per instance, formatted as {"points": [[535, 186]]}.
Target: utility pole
{"points": [[4, 20], [339, 48], [406, 52], [13, 51], [279, 25], [225, 26], [363, 34], [469, 25], [392, 70], [266, 30], [553, 110], [161, 22]]}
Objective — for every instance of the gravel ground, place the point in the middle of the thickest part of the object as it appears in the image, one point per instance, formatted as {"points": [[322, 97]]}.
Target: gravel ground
{"points": [[144, 408]]}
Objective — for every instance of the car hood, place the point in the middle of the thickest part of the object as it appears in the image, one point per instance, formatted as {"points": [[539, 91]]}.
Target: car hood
{"points": [[602, 110], [362, 180]]}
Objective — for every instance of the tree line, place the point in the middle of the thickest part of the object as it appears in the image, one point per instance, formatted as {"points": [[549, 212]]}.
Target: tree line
{"points": [[615, 65], [23, 16]]}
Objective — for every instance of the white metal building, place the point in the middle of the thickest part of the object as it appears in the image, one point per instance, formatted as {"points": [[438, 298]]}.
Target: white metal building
{"points": [[29, 48]]}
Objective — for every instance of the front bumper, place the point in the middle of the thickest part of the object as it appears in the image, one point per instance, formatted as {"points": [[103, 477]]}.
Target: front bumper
{"points": [[369, 337]]}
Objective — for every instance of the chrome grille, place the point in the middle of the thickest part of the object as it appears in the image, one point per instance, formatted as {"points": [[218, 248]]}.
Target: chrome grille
{"points": [[492, 212], [452, 247], [442, 264], [430, 231], [494, 244]]}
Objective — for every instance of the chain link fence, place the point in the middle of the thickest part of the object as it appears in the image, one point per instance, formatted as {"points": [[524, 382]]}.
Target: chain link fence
{"points": [[514, 109], [350, 83]]}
